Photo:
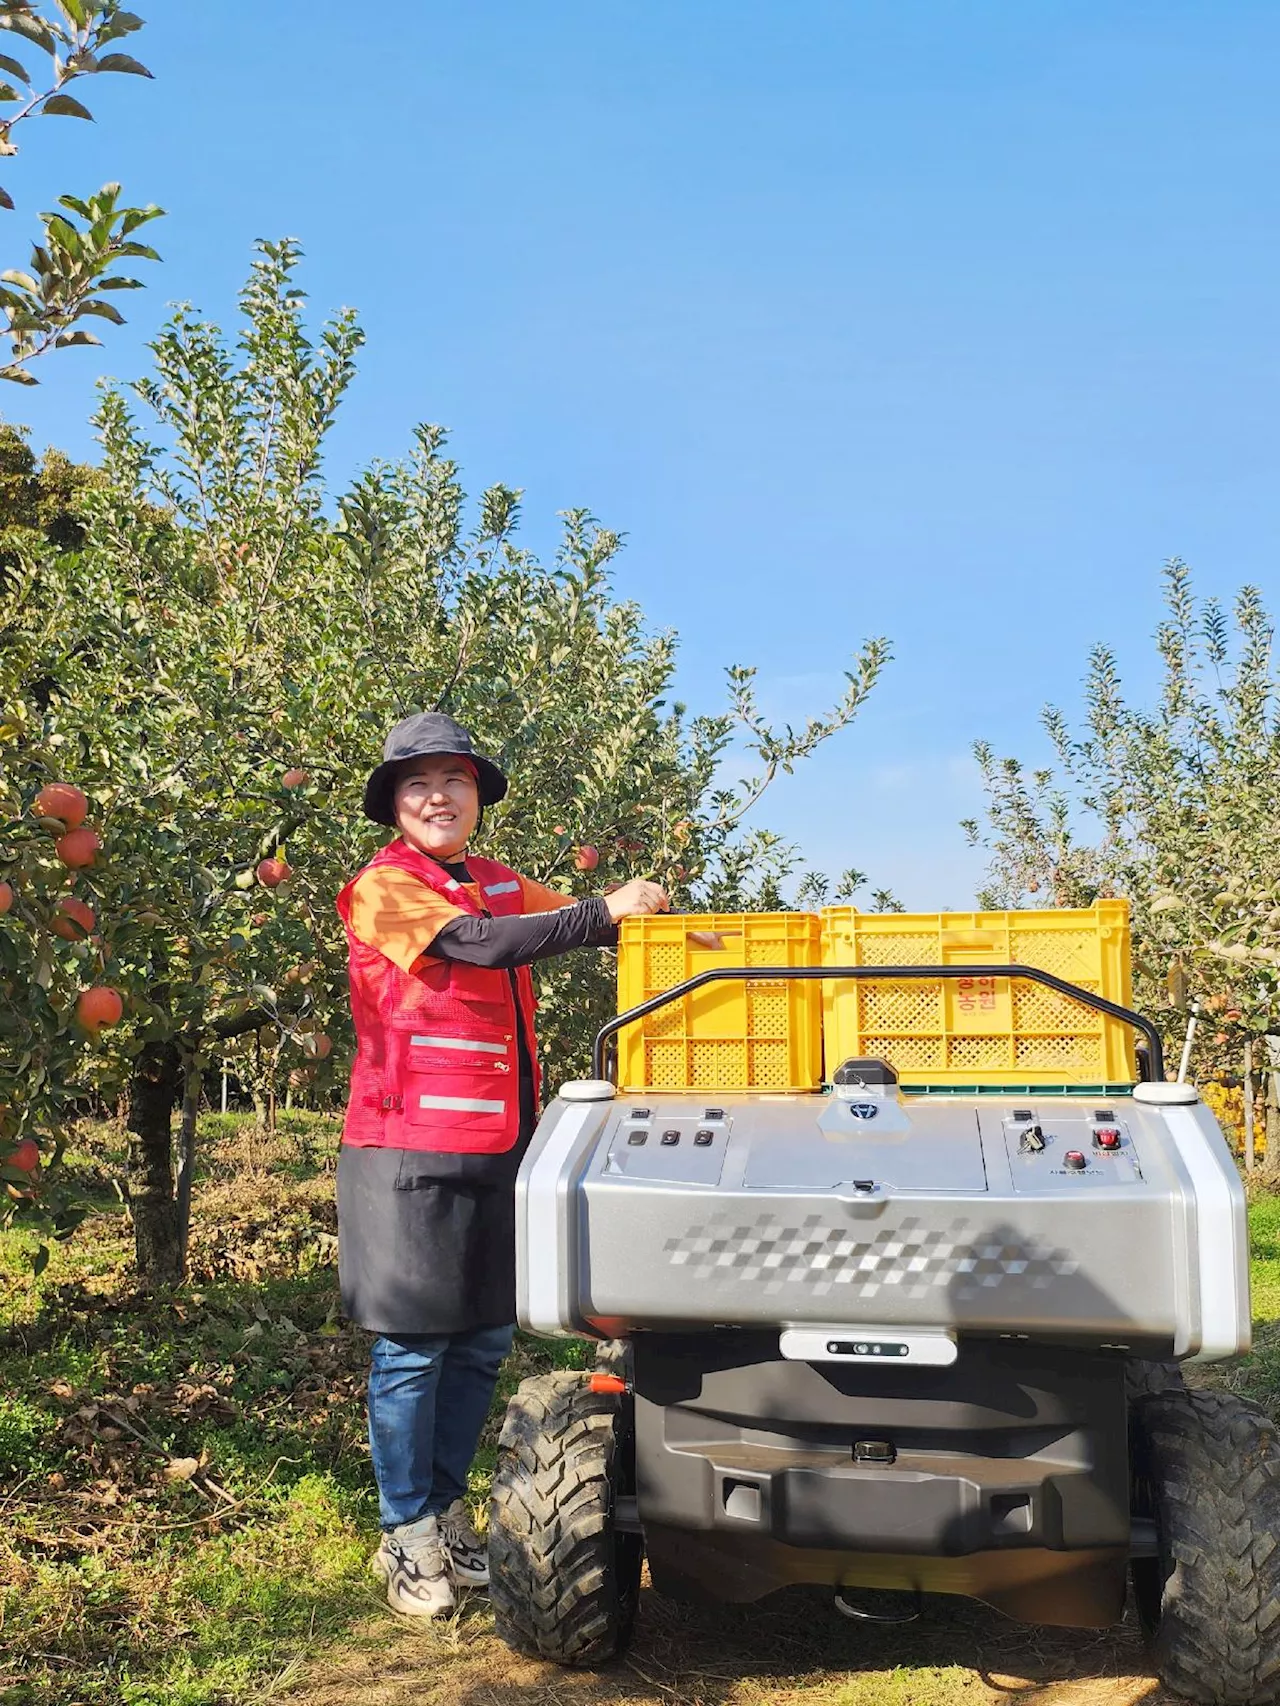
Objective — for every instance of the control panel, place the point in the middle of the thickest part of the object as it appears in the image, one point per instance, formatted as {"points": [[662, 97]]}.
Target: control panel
{"points": [[1047, 1149], [684, 1149]]}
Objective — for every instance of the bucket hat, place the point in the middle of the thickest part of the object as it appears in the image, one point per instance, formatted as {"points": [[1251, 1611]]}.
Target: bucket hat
{"points": [[427, 734]]}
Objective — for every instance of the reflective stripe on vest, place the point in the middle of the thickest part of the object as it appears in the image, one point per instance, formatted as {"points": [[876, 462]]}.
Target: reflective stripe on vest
{"points": [[459, 1042], [503, 888], [462, 1104]]}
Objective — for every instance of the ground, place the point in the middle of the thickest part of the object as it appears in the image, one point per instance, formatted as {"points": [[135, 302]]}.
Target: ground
{"points": [[186, 1510]]}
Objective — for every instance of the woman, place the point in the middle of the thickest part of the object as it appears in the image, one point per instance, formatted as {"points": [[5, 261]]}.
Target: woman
{"points": [[444, 1096]]}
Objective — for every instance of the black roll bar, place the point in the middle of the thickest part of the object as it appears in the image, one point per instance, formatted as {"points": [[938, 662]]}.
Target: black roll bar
{"points": [[886, 974]]}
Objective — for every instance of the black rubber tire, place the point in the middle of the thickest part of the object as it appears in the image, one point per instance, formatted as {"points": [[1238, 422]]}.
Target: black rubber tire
{"points": [[564, 1584], [1144, 1379], [1207, 1469]]}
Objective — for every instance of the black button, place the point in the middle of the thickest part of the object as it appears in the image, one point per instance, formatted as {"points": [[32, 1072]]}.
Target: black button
{"points": [[713, 1114], [670, 1137], [1103, 1114], [1022, 1114], [864, 1184], [637, 1137], [704, 1138], [639, 1113]]}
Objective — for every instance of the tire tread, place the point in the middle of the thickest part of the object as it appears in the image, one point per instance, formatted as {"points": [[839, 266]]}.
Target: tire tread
{"points": [[554, 1581], [1215, 1462]]}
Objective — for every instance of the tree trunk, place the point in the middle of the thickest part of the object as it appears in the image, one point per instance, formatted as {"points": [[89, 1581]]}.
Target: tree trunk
{"points": [[187, 1158], [1250, 1156], [1271, 1126], [155, 1087]]}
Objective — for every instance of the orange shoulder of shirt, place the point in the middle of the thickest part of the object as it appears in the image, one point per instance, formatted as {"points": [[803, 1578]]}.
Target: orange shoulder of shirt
{"points": [[399, 916]]}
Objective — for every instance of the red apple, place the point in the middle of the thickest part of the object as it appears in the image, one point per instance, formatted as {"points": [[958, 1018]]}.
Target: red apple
{"points": [[98, 1007], [61, 800], [587, 858], [295, 778], [6, 898], [72, 919], [26, 1157], [273, 872], [319, 1046], [78, 848]]}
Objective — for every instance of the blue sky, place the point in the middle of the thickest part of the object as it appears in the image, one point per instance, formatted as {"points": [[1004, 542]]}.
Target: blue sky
{"points": [[944, 321]]}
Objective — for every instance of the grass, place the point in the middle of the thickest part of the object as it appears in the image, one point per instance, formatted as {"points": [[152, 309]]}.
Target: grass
{"points": [[186, 1506]]}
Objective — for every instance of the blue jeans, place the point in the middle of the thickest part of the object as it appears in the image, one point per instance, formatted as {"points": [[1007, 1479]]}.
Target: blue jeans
{"points": [[428, 1399]]}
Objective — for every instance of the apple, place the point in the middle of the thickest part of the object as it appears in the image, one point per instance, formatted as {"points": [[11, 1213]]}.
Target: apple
{"points": [[60, 800], [97, 1007], [72, 919], [319, 1046], [295, 778], [6, 898], [78, 848], [587, 858], [26, 1157], [273, 872]]}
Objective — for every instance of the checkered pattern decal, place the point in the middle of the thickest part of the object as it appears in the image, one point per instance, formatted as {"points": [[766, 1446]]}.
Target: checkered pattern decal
{"points": [[905, 1260]]}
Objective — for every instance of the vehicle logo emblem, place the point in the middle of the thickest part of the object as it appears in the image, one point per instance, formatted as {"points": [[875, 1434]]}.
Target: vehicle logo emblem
{"points": [[863, 1110]]}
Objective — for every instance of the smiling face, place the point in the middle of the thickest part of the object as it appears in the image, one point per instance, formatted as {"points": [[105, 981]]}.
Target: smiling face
{"points": [[437, 805]]}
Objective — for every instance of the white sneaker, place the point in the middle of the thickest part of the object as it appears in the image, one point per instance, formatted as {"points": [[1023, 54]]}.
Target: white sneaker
{"points": [[465, 1551], [412, 1562]]}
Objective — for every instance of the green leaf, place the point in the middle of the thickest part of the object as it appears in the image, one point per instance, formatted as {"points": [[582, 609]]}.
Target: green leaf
{"points": [[73, 340], [14, 68], [73, 11], [40, 1261], [135, 216], [103, 311], [117, 281], [122, 62], [6, 200], [31, 28], [66, 106], [9, 93], [63, 232], [23, 280]]}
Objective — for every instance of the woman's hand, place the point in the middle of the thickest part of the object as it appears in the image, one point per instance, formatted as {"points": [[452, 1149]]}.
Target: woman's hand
{"points": [[636, 899]]}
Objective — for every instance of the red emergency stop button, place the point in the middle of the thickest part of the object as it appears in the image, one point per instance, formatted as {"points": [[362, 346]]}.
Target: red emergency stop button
{"points": [[1106, 1137], [1074, 1161]]}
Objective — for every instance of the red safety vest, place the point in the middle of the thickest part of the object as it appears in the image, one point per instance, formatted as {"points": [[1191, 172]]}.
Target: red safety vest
{"points": [[437, 1060]]}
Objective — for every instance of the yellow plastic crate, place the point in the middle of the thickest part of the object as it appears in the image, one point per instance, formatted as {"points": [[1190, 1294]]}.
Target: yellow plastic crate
{"points": [[742, 1034], [983, 1030]]}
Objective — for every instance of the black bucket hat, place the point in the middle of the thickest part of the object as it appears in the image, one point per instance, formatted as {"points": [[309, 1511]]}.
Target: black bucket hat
{"points": [[427, 734]]}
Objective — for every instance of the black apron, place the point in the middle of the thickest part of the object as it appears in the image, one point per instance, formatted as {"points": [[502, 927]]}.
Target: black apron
{"points": [[427, 1239], [422, 1254]]}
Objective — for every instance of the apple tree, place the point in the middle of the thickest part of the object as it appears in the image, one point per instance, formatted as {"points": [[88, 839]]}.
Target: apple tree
{"points": [[217, 663], [1171, 804], [74, 273]]}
